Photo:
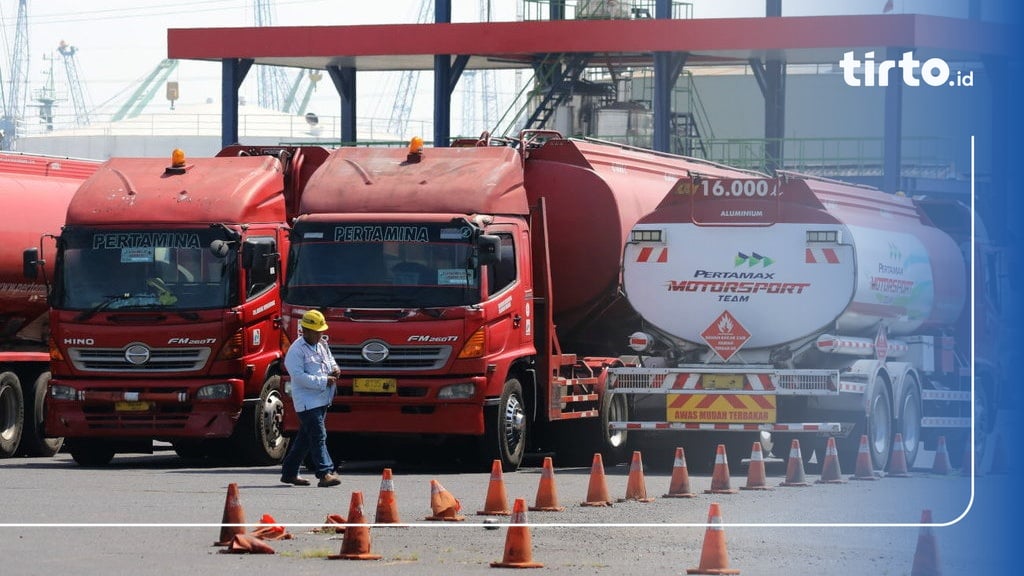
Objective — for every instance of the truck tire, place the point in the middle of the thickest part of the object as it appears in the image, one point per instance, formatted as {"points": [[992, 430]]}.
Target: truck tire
{"points": [[614, 445], [12, 414], [92, 453], [505, 429], [909, 423], [877, 425], [33, 439], [258, 436], [576, 441]]}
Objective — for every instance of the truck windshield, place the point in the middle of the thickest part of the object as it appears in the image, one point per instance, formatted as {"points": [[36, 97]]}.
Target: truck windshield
{"points": [[399, 265], [143, 269]]}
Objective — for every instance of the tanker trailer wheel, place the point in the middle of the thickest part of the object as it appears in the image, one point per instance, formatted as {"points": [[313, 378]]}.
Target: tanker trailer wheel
{"points": [[909, 423], [12, 414], [33, 441], [259, 437], [614, 443], [505, 429], [877, 425]]}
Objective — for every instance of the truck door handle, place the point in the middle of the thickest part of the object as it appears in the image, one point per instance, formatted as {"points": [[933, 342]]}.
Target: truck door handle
{"points": [[516, 320]]}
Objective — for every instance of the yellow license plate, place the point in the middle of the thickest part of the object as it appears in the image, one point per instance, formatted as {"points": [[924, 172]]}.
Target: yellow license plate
{"points": [[132, 406], [722, 381], [379, 385]]}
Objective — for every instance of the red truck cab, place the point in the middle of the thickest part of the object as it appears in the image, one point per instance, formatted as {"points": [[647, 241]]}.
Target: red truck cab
{"points": [[165, 310]]}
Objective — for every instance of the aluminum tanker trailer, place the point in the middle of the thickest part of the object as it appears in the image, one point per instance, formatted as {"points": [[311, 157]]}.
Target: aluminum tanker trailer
{"points": [[797, 305]]}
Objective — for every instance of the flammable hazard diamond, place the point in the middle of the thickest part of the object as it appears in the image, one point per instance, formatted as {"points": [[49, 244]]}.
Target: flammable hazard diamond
{"points": [[725, 335]]}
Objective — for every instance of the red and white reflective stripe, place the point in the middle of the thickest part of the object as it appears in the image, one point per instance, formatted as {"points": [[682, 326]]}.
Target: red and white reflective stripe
{"points": [[647, 251], [831, 427], [759, 382], [756, 455], [946, 395], [821, 256], [823, 427], [580, 398], [685, 382], [938, 422], [389, 485], [680, 462], [794, 451], [852, 387]]}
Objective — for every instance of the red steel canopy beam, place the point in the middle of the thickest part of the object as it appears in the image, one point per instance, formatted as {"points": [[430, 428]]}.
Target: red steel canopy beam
{"points": [[818, 39]]}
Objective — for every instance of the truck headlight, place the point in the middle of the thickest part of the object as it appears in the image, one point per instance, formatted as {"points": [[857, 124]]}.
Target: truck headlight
{"points": [[463, 390], [214, 392], [58, 392]]}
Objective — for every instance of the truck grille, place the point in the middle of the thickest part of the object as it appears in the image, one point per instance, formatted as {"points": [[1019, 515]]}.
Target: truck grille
{"points": [[160, 360], [399, 358]]}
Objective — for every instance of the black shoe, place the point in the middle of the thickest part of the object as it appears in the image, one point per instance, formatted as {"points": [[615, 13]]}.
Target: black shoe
{"points": [[328, 480], [295, 480]]}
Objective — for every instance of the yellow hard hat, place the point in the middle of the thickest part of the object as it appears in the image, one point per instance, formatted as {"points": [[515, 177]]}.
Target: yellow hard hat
{"points": [[313, 320]]}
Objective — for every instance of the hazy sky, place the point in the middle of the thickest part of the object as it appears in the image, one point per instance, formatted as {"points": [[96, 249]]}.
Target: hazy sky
{"points": [[119, 42]]}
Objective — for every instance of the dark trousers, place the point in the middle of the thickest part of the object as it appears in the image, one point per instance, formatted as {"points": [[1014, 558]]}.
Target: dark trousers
{"points": [[311, 440]]}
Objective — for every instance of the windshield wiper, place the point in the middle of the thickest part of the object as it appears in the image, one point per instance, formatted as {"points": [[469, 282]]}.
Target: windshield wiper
{"points": [[107, 301]]}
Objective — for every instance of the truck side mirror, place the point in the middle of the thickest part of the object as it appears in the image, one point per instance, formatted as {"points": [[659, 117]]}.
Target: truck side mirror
{"points": [[219, 248], [488, 249], [30, 263]]}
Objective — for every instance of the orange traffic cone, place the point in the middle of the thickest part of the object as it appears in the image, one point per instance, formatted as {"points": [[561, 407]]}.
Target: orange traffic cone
{"points": [[713, 556], [795, 467], [497, 499], [864, 470], [830, 472], [720, 477], [387, 506], [926, 555], [898, 463], [332, 524], [755, 472], [269, 529], [636, 487], [597, 491], [547, 492], [679, 485], [443, 505], [941, 463], [355, 545], [247, 544], [233, 514], [518, 547]]}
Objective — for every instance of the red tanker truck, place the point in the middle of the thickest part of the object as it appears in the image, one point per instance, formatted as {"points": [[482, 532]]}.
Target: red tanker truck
{"points": [[35, 191], [471, 292], [799, 305], [165, 310]]}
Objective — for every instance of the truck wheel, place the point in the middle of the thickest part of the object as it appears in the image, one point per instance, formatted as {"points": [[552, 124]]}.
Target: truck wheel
{"points": [[909, 424], [12, 414], [33, 440], [877, 425], [91, 453], [505, 429], [259, 437], [613, 443]]}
